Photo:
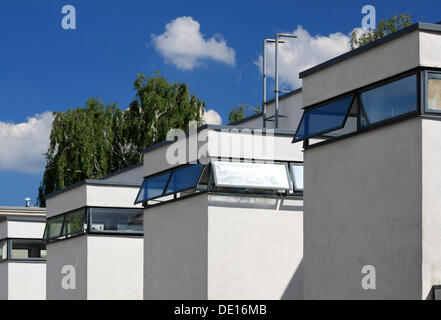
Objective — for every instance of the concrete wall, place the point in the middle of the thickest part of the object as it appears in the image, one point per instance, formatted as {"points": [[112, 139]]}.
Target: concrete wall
{"points": [[4, 281], [175, 250], [27, 281], [431, 219], [255, 248], [3, 229], [66, 201], [133, 175], [363, 202], [112, 196], [115, 268], [370, 66], [72, 252]]}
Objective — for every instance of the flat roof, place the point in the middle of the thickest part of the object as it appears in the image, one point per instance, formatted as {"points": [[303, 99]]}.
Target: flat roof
{"points": [[416, 26], [92, 182], [23, 219], [29, 209]]}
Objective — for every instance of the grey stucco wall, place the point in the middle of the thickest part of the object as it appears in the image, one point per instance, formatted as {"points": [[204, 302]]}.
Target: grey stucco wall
{"points": [[4, 281], [363, 207], [175, 250], [68, 252]]}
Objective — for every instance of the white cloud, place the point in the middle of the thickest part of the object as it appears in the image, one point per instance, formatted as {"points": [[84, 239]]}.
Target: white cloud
{"points": [[183, 45], [23, 144], [297, 55], [212, 117]]}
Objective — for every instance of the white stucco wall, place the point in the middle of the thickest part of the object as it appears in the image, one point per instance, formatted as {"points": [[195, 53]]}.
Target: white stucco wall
{"points": [[363, 203], [27, 281], [431, 193], [25, 229], [115, 268], [3, 229], [112, 196], [255, 248], [66, 201], [133, 175], [175, 250]]}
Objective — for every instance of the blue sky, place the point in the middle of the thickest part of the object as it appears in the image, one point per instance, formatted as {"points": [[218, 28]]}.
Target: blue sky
{"points": [[45, 68]]}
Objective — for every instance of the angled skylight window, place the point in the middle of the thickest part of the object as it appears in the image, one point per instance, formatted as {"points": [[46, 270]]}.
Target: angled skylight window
{"points": [[251, 175], [173, 181], [297, 174], [323, 119], [184, 178], [153, 187]]}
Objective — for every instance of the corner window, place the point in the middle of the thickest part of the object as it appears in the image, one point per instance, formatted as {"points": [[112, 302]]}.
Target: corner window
{"points": [[53, 227], [323, 119], [434, 92], [389, 101], [74, 222], [251, 175], [103, 220]]}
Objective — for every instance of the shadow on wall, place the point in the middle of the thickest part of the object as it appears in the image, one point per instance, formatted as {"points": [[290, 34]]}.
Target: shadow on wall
{"points": [[294, 290]]}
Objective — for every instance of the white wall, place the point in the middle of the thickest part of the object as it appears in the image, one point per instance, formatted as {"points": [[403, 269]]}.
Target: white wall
{"points": [[27, 281], [3, 229], [255, 248], [175, 250], [131, 176], [115, 268], [431, 219], [66, 201], [26, 229], [112, 196]]}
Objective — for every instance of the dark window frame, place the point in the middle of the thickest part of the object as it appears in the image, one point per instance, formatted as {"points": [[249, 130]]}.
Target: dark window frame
{"points": [[425, 90], [420, 104], [86, 222], [28, 260]]}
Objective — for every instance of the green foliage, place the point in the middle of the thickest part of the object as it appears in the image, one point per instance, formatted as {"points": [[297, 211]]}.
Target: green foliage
{"points": [[91, 142], [238, 112], [385, 27]]}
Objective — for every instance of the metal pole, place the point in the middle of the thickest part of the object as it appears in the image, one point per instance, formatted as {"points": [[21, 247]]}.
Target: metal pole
{"points": [[264, 83], [276, 75]]}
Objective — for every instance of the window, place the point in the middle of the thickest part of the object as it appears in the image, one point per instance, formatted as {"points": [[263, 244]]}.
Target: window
{"points": [[116, 220], [297, 174], [53, 227], [27, 249], [324, 119], [251, 175], [74, 222], [173, 181], [152, 187], [184, 178], [3, 250], [434, 92], [388, 101]]}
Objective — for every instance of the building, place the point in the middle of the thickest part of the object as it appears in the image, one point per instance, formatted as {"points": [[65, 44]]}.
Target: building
{"points": [[22, 254], [94, 238], [225, 222], [372, 134]]}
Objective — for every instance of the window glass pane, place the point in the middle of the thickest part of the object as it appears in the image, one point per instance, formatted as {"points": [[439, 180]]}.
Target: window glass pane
{"points": [[27, 249], [324, 119], [184, 178], [152, 187], [434, 91], [388, 101], [297, 173], [74, 222], [53, 227], [3, 250], [116, 220], [251, 175]]}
